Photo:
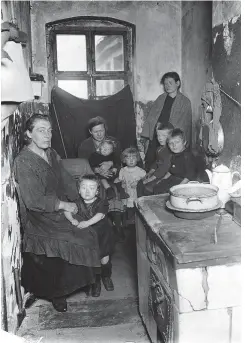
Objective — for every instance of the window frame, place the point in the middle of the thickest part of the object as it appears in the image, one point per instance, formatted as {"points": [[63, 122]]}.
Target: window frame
{"points": [[90, 27]]}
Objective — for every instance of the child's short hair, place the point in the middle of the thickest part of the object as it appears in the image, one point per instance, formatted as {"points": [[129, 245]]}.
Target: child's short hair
{"points": [[162, 126], [90, 177], [109, 142], [130, 151], [177, 133]]}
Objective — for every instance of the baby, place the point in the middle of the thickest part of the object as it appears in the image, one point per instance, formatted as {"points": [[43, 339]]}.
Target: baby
{"points": [[105, 158], [130, 174], [92, 212], [182, 163]]}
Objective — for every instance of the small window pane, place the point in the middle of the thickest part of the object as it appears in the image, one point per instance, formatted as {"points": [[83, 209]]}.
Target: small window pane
{"points": [[78, 88], [109, 53], [71, 52], [108, 87]]}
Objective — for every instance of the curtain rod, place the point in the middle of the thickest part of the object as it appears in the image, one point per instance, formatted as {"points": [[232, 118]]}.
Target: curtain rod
{"points": [[230, 97]]}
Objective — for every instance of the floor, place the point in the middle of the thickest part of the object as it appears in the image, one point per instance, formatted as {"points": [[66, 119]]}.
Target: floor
{"points": [[43, 324]]}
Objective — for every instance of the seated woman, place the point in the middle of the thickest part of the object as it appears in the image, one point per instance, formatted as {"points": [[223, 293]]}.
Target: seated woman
{"points": [[58, 257], [182, 163], [162, 163], [97, 128]]}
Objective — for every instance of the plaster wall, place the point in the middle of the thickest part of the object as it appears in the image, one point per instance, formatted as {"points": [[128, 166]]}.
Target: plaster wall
{"points": [[196, 37], [226, 64], [11, 133], [158, 36]]}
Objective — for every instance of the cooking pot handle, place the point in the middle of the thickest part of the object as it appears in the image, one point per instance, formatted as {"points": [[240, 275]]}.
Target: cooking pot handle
{"points": [[193, 199]]}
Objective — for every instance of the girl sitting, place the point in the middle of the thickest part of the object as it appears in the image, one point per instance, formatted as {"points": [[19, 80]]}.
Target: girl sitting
{"points": [[92, 212], [130, 175], [182, 163]]}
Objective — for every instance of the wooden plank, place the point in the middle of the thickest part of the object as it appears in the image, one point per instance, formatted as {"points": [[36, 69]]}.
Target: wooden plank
{"points": [[190, 240]]}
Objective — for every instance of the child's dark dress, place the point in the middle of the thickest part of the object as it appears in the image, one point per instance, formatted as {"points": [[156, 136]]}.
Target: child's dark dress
{"points": [[183, 165], [103, 228], [96, 159]]}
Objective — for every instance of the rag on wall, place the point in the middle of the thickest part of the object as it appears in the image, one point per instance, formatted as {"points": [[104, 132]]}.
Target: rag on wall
{"points": [[211, 98], [73, 115]]}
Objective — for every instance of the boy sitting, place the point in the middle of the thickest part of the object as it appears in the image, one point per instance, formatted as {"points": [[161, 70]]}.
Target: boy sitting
{"points": [[162, 163], [183, 166]]}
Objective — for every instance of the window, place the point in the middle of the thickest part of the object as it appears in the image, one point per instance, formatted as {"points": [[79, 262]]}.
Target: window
{"points": [[90, 58]]}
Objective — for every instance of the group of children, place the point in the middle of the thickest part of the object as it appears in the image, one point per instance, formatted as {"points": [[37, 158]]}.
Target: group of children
{"points": [[174, 164]]}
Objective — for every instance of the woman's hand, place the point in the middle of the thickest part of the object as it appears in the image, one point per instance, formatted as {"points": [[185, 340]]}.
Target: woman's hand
{"points": [[68, 206], [75, 222], [102, 172], [83, 224]]}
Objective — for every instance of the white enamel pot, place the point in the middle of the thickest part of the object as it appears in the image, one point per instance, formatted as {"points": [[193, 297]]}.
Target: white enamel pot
{"points": [[194, 196]]}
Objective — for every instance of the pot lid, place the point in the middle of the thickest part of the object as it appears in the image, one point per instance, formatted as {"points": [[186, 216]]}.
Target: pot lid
{"points": [[221, 169]]}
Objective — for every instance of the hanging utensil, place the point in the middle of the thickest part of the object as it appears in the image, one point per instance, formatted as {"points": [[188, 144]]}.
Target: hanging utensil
{"points": [[214, 238]]}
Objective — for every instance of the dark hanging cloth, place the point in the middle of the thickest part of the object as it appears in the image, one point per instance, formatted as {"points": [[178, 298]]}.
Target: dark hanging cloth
{"points": [[73, 115]]}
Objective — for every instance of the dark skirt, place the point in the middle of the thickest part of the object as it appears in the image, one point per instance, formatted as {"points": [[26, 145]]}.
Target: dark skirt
{"points": [[50, 277]]}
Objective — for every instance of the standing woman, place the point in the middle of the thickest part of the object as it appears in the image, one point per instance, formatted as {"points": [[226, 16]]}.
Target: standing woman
{"points": [[171, 106], [58, 257]]}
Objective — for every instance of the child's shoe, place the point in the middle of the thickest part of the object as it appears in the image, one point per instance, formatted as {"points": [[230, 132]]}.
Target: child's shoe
{"points": [[108, 284], [96, 287]]}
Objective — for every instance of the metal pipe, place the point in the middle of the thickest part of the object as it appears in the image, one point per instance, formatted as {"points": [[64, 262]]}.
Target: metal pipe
{"points": [[230, 97], [57, 119]]}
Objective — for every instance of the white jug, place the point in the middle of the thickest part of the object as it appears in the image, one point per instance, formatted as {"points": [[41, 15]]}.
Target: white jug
{"points": [[222, 177]]}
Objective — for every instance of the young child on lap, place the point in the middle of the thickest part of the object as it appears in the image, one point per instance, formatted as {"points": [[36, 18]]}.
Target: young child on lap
{"points": [[92, 212], [182, 163], [106, 159]]}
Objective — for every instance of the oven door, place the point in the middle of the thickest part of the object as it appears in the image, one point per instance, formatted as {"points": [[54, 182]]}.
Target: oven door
{"points": [[161, 304]]}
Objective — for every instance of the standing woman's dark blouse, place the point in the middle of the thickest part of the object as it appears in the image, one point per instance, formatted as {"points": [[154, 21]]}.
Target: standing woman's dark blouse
{"points": [[166, 110]]}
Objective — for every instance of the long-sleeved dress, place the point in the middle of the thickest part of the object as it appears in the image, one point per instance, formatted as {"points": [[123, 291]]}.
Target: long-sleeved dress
{"points": [[56, 250], [103, 228]]}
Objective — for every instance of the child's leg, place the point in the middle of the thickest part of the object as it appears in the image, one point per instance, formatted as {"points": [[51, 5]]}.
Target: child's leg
{"points": [[131, 215], [117, 218], [106, 271], [105, 183], [109, 190]]}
